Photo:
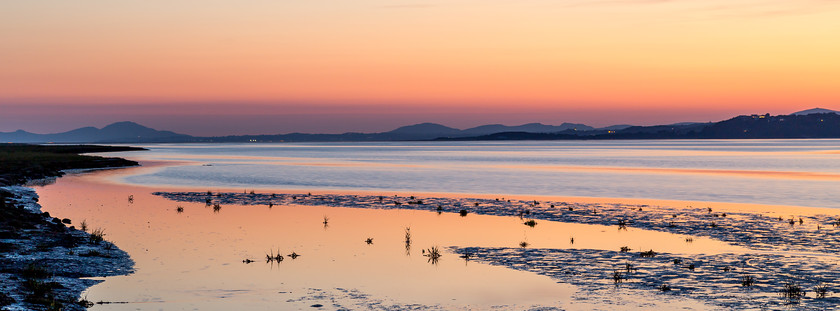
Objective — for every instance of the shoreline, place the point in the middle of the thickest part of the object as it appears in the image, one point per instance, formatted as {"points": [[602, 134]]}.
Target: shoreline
{"points": [[46, 262]]}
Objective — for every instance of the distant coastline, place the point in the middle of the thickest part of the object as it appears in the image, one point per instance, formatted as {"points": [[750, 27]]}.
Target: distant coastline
{"points": [[807, 124]]}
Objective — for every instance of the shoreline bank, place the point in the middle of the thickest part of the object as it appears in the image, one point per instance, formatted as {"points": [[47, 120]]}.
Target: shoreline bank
{"points": [[46, 262]]}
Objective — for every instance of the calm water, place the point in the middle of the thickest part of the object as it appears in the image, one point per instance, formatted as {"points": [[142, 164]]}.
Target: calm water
{"points": [[194, 260], [783, 172]]}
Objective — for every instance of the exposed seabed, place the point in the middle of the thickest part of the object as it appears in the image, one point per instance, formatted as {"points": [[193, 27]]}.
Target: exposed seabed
{"points": [[790, 262]]}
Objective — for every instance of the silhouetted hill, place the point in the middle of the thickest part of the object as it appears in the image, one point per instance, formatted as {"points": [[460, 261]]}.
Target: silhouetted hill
{"points": [[529, 128], [421, 131], [615, 127], [814, 125], [120, 132], [813, 111]]}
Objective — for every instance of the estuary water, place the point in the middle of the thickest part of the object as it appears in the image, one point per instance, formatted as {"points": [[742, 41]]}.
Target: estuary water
{"points": [[196, 256], [780, 172]]}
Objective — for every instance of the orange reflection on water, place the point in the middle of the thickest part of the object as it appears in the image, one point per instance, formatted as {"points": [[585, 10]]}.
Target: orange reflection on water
{"points": [[194, 259]]}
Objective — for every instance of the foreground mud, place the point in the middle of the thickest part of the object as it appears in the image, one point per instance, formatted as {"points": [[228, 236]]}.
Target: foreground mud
{"points": [[790, 262], [45, 261]]}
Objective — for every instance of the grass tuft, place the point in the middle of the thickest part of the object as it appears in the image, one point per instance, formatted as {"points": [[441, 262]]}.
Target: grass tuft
{"points": [[792, 291], [97, 236], [747, 281]]}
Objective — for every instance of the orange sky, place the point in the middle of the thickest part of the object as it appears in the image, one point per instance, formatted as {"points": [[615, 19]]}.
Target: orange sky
{"points": [[548, 59]]}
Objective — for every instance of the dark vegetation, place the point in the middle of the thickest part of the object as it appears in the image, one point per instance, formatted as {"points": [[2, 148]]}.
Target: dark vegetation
{"points": [[20, 162]]}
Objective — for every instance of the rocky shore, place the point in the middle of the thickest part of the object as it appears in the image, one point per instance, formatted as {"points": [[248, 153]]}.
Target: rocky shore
{"points": [[46, 262]]}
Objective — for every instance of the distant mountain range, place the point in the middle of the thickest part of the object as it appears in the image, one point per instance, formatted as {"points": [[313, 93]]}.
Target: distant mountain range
{"points": [[812, 123]]}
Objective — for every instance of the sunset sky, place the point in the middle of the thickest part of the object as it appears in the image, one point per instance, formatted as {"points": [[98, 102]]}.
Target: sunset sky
{"points": [[215, 67]]}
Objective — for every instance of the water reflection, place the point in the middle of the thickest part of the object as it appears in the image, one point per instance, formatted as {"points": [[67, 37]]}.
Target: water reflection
{"points": [[199, 258]]}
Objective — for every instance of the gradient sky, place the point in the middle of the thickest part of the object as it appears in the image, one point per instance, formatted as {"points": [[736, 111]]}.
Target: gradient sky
{"points": [[214, 67]]}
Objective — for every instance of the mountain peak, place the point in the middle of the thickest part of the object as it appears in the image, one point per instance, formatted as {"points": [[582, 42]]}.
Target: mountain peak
{"points": [[425, 128], [125, 125]]}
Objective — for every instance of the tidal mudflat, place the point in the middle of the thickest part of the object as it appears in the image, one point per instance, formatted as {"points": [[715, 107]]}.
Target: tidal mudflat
{"points": [[775, 260]]}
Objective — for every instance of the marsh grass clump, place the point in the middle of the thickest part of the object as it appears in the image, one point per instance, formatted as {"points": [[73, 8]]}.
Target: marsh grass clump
{"points": [[747, 281], [272, 257], [792, 291], [617, 277], [647, 254], [83, 226], [433, 253], [821, 290], [408, 240], [97, 236], [531, 223]]}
